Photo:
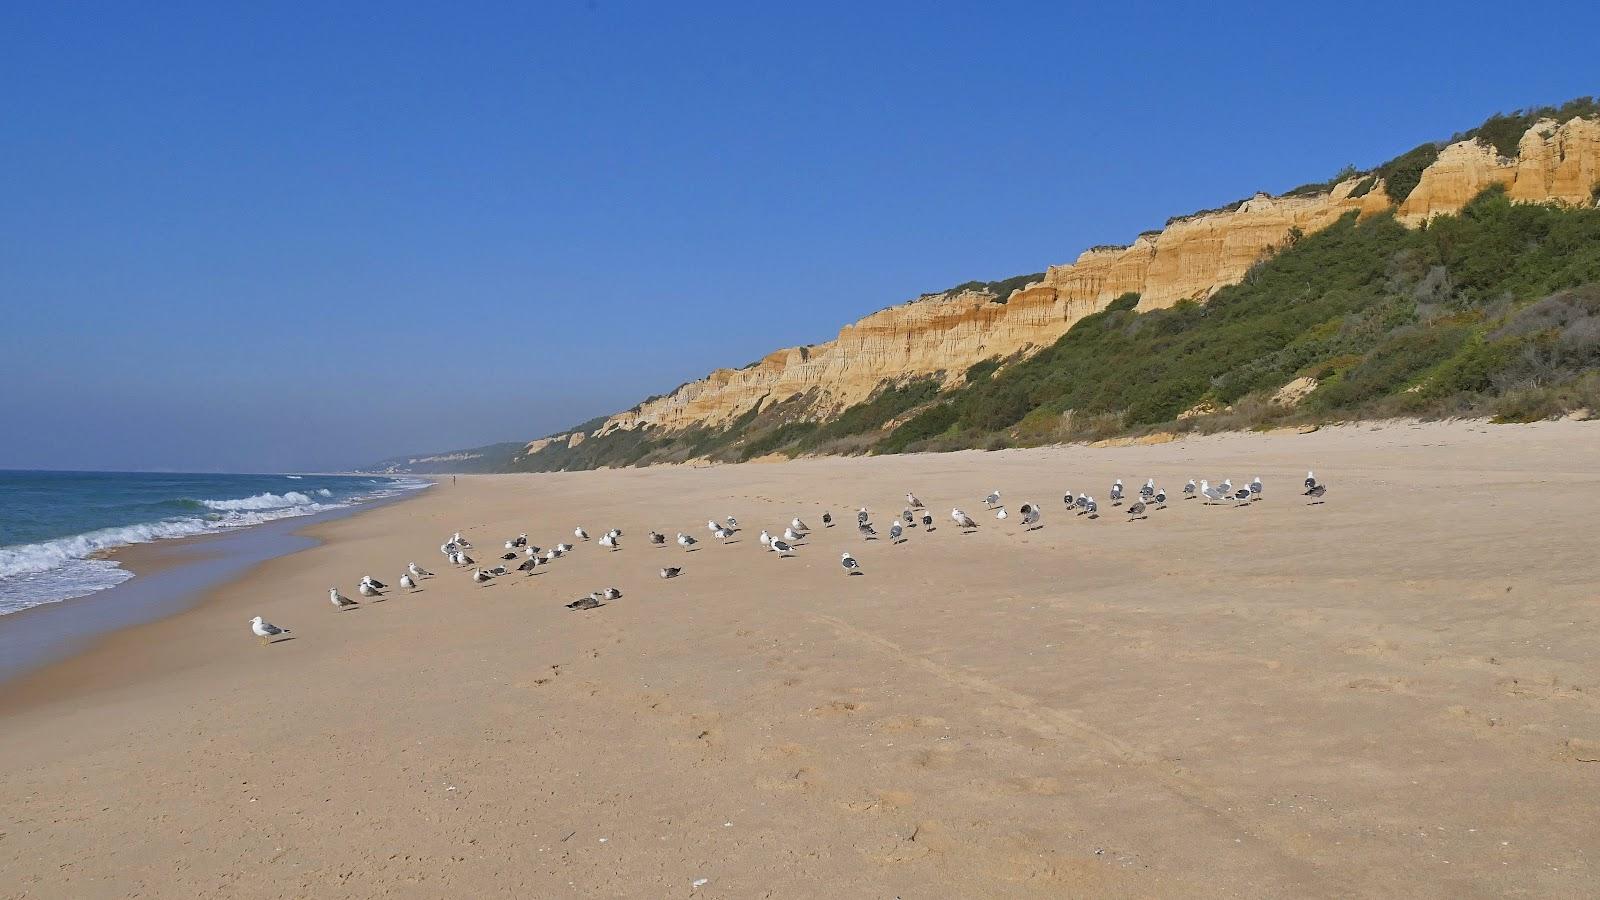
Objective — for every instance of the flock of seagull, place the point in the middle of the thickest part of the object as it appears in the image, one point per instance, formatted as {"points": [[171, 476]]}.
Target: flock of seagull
{"points": [[1149, 498]]}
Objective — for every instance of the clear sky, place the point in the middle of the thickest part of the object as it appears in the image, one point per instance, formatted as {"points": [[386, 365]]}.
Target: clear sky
{"points": [[270, 236]]}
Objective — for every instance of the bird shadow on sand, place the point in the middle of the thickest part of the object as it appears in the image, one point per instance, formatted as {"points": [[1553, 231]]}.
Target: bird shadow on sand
{"points": [[970, 531], [282, 640], [734, 541], [1316, 503], [1034, 528], [856, 572], [1137, 518]]}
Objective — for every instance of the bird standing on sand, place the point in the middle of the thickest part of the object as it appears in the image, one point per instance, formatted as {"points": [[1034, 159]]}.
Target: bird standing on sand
{"points": [[712, 526], [790, 535], [609, 541], [798, 525], [1212, 495], [1149, 488], [658, 538], [1136, 511], [1189, 489], [580, 534], [766, 539], [1031, 514], [733, 524], [339, 600], [827, 520], [265, 630], [529, 564], [993, 499], [850, 565], [407, 582], [867, 531], [720, 533], [895, 531], [1116, 493], [862, 515], [909, 516], [781, 547], [962, 519], [417, 571], [368, 579], [1316, 491], [1160, 498], [480, 576], [685, 541], [1255, 488], [927, 521], [913, 501], [671, 572], [1311, 480], [368, 589]]}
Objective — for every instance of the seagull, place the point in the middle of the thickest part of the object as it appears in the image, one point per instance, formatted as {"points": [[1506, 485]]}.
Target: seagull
{"points": [[1149, 488], [522, 539], [615, 533], [909, 516], [509, 555], [552, 553], [1255, 488], [498, 570], [827, 519], [1116, 493], [1189, 489], [685, 541], [867, 531], [369, 589], [529, 565], [564, 548], [464, 560], [711, 525], [1226, 487], [790, 535], [368, 579], [533, 551], [1160, 498], [1082, 504], [611, 593], [781, 547], [1212, 495], [721, 533], [417, 571], [671, 572], [993, 499], [1242, 495], [766, 539], [733, 524], [608, 541], [1136, 511], [861, 515], [339, 600], [511, 545], [463, 542], [1311, 480], [265, 630], [962, 519], [657, 538], [894, 533], [1316, 491], [850, 565], [912, 499], [585, 603], [1031, 514], [1093, 509], [447, 548], [798, 525], [580, 534], [407, 582], [927, 521], [480, 576]]}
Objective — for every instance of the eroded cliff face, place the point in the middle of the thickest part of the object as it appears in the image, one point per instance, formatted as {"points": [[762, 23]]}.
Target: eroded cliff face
{"points": [[944, 334]]}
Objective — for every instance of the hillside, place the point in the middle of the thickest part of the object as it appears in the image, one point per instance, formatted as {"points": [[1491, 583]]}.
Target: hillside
{"points": [[1457, 277]]}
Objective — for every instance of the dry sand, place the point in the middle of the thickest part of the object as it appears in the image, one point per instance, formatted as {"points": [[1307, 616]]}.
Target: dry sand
{"points": [[1392, 694]]}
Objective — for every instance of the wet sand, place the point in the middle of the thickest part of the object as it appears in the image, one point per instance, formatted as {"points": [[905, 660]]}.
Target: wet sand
{"points": [[1390, 694]]}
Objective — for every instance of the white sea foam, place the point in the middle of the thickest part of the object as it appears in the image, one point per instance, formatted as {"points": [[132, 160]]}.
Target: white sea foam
{"points": [[266, 501], [64, 568]]}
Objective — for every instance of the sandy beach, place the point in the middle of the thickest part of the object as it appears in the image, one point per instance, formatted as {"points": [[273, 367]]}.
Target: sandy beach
{"points": [[1391, 694]]}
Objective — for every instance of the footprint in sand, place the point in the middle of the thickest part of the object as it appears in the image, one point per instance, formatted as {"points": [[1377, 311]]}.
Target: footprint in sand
{"points": [[914, 843], [897, 724], [881, 801], [836, 708]]}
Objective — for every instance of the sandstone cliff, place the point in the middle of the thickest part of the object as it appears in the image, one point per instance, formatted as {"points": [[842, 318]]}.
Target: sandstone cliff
{"points": [[944, 334]]}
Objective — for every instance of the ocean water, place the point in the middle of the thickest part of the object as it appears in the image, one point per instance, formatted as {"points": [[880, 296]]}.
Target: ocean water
{"points": [[52, 524]]}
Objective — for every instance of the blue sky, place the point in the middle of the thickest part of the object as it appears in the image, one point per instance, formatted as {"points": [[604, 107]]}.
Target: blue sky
{"points": [[310, 236]]}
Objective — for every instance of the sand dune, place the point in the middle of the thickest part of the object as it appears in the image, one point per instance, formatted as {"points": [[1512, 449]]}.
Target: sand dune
{"points": [[1391, 694]]}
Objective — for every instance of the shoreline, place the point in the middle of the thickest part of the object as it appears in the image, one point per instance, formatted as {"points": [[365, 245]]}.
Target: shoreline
{"points": [[1270, 698], [170, 577]]}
